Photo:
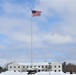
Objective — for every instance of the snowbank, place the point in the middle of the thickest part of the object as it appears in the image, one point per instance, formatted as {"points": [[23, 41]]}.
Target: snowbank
{"points": [[13, 73], [39, 73]]}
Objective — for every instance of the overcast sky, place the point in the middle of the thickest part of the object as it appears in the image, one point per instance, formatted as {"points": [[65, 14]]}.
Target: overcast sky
{"points": [[54, 32]]}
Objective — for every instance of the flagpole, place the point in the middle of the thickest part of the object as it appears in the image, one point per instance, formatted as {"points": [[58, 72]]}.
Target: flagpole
{"points": [[31, 43], [34, 13]]}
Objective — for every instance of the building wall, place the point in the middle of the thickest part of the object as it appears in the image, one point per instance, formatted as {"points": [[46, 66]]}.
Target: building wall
{"points": [[56, 67], [14, 67]]}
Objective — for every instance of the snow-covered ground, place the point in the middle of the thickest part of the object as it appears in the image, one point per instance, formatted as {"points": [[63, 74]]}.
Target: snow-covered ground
{"points": [[39, 73]]}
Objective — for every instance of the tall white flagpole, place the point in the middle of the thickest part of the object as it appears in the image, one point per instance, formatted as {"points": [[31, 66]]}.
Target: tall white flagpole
{"points": [[31, 43], [38, 14]]}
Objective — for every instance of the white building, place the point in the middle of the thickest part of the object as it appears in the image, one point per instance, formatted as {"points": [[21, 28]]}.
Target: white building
{"points": [[23, 67]]}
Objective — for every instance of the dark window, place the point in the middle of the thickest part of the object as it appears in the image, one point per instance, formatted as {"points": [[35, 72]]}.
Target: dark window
{"points": [[10, 66], [45, 66], [18, 66], [59, 66], [55, 70], [38, 70], [27, 66], [42, 66], [23, 66], [55, 66], [34, 66], [42, 70], [30, 66], [14, 66], [14, 70], [39, 66], [59, 70]]}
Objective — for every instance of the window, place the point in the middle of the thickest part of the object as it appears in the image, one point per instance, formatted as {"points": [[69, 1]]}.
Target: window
{"points": [[34, 66], [14, 66], [27, 66], [42, 66], [55, 70], [59, 66], [23, 66], [10, 66], [18, 66], [45, 66], [55, 66], [39, 66], [59, 70], [38, 70], [42, 70], [14, 70], [30, 66]]}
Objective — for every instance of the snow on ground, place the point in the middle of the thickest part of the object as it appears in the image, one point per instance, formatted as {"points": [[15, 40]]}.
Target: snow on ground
{"points": [[39, 73]]}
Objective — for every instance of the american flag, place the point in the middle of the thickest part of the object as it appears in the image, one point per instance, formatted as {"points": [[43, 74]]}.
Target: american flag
{"points": [[36, 13]]}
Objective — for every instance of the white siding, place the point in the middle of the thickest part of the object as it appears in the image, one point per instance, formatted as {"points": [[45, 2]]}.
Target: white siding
{"points": [[14, 67], [56, 67], [38, 66]]}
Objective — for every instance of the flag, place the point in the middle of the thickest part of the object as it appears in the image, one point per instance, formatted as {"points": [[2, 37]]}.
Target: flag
{"points": [[36, 13]]}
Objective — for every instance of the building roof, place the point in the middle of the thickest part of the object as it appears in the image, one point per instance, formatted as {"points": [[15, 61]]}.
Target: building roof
{"points": [[39, 63]]}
